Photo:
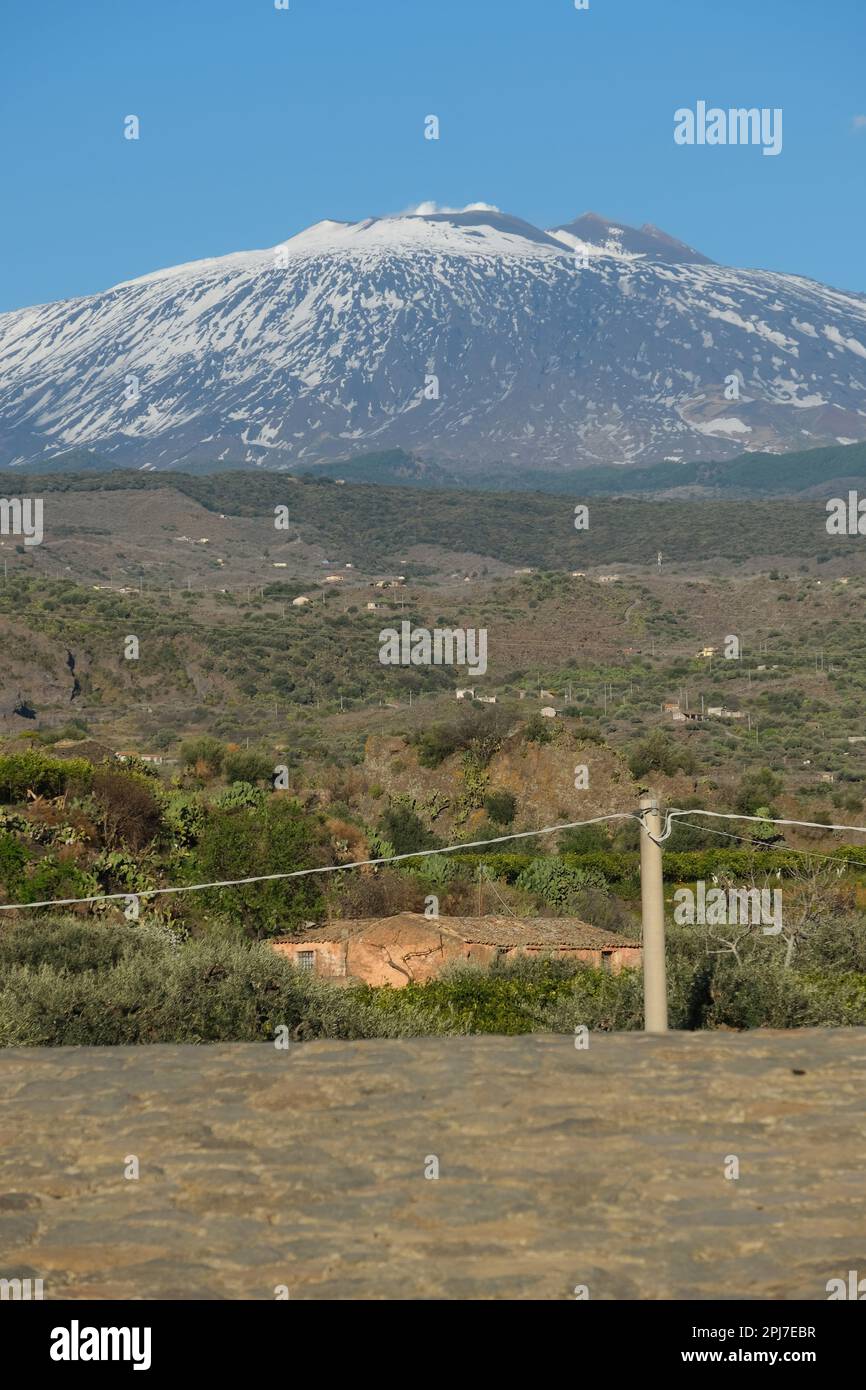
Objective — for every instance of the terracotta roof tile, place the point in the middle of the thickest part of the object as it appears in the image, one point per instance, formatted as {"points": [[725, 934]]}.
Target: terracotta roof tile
{"points": [[540, 932]]}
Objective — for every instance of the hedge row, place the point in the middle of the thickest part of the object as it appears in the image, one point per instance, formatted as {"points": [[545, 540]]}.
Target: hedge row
{"points": [[623, 868]]}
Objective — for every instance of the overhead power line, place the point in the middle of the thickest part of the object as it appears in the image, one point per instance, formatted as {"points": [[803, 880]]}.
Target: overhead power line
{"points": [[760, 820], [446, 849], [805, 853], [326, 869]]}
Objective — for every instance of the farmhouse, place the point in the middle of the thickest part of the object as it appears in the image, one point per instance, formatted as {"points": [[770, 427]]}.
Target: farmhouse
{"points": [[722, 712], [410, 947]]}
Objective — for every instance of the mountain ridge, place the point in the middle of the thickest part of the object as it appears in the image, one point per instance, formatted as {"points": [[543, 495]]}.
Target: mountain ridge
{"points": [[471, 337]]}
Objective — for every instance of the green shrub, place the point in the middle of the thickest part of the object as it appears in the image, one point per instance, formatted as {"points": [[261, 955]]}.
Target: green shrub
{"points": [[404, 829], [69, 944], [249, 842], [246, 765], [659, 753], [53, 878], [500, 807], [583, 839], [537, 730], [204, 755], [477, 729], [13, 858], [41, 774], [200, 991], [552, 880], [185, 816], [757, 790], [240, 794]]}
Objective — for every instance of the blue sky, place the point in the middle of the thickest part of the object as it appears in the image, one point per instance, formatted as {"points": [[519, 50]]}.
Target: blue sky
{"points": [[257, 122]]}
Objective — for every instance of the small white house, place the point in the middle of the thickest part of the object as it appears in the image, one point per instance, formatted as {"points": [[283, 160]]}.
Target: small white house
{"points": [[300, 602], [466, 694], [548, 712]]}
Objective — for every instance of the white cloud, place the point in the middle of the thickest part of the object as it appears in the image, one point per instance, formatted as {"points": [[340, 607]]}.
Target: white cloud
{"points": [[859, 123], [427, 208]]}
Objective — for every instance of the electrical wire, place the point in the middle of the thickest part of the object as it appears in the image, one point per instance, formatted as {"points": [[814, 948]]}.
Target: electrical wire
{"points": [[325, 869], [442, 849]]}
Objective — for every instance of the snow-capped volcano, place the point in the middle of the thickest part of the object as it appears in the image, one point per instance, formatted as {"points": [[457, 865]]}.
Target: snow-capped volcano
{"points": [[471, 337]]}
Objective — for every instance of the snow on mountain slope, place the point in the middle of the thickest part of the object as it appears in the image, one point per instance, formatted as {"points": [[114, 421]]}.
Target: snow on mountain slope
{"points": [[328, 345], [646, 241]]}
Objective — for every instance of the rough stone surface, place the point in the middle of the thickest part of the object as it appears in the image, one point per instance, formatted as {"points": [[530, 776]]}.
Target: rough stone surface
{"points": [[558, 1167]]}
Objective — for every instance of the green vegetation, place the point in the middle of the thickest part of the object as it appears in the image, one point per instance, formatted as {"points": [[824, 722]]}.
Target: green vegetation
{"points": [[519, 528], [109, 828], [289, 747], [67, 983]]}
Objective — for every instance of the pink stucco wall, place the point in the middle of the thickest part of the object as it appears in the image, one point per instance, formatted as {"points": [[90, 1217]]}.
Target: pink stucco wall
{"points": [[406, 955]]}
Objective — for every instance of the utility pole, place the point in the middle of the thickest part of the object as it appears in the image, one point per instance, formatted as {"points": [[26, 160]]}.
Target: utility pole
{"points": [[653, 916]]}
